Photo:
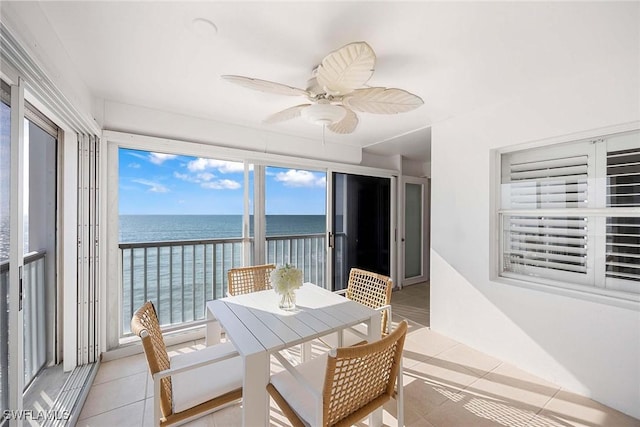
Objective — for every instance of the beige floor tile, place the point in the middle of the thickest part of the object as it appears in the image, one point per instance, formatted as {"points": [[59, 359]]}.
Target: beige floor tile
{"points": [[411, 414], [509, 384], [470, 410], [125, 416], [149, 388], [147, 415], [422, 422], [470, 359], [434, 382], [424, 343], [121, 368], [570, 409], [114, 394]]}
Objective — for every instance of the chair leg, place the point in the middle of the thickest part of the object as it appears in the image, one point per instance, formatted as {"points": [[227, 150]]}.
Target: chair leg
{"points": [[156, 401], [400, 396]]}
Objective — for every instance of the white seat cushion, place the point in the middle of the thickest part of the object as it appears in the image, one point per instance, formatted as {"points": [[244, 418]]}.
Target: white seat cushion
{"points": [[195, 386], [297, 395]]}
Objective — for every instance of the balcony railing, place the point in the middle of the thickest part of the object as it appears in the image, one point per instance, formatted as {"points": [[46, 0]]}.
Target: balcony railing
{"points": [[181, 276], [34, 321], [306, 251], [178, 276]]}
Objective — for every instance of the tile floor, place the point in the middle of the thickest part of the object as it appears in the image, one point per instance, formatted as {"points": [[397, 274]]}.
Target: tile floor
{"points": [[447, 384]]}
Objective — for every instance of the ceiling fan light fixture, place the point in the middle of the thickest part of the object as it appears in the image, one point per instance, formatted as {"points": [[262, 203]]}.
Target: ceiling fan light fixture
{"points": [[323, 113]]}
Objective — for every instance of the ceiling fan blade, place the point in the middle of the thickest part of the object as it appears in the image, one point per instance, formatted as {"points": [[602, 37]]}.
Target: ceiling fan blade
{"points": [[289, 113], [265, 86], [347, 68], [346, 125], [380, 100]]}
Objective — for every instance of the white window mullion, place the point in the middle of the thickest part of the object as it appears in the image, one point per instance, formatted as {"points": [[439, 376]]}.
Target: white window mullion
{"points": [[599, 200], [246, 217], [259, 227]]}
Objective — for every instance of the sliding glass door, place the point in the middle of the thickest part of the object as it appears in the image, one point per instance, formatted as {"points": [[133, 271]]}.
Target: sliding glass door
{"points": [[295, 218], [28, 201], [360, 235], [39, 276], [5, 230]]}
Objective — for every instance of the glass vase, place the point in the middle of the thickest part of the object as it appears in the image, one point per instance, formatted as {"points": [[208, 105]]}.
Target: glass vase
{"points": [[288, 300]]}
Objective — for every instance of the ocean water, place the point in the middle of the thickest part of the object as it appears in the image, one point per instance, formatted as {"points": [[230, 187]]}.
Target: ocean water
{"points": [[161, 228], [181, 278]]}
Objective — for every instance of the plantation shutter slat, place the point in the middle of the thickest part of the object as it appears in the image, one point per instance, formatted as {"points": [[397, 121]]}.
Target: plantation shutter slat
{"points": [[523, 263], [547, 184], [547, 246], [623, 178], [556, 243], [623, 233], [623, 248]]}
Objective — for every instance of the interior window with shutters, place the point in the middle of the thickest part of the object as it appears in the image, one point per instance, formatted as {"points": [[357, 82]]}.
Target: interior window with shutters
{"points": [[570, 215]]}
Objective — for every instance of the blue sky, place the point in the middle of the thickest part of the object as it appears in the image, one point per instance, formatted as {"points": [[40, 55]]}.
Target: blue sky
{"points": [[156, 183]]}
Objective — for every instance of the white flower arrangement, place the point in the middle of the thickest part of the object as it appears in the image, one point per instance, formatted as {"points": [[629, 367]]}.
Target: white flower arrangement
{"points": [[286, 278]]}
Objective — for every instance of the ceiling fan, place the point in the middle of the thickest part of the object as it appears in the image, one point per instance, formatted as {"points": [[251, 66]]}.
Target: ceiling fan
{"points": [[336, 90]]}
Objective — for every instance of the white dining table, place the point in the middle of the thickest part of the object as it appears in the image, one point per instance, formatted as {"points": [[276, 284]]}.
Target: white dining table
{"points": [[258, 328]]}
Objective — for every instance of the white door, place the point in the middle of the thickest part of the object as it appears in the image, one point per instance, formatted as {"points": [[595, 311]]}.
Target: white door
{"points": [[415, 238]]}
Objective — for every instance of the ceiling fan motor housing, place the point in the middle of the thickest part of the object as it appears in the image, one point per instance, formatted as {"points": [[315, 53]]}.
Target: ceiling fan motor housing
{"points": [[323, 113]]}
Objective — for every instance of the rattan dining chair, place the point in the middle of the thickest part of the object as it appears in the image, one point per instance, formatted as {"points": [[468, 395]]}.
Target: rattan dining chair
{"points": [[188, 385], [244, 280], [370, 289], [343, 386]]}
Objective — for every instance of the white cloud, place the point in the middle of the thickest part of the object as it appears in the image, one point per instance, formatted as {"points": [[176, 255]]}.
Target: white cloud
{"points": [[160, 158], [221, 184], [300, 178], [154, 187], [222, 166], [206, 180], [206, 176], [138, 155], [198, 178], [134, 165], [183, 176]]}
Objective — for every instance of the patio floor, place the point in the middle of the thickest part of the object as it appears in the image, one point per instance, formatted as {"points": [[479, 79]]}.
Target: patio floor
{"points": [[447, 384]]}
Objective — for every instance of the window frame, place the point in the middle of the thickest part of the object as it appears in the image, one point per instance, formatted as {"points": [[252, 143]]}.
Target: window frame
{"points": [[596, 211]]}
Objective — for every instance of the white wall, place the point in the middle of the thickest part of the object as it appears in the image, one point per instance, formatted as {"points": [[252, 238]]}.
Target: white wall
{"points": [[147, 121], [590, 347]]}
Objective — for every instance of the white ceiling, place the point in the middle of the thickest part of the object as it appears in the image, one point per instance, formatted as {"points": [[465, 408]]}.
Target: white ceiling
{"points": [[457, 56]]}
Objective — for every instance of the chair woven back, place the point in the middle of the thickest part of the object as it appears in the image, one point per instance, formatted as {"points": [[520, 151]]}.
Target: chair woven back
{"points": [[244, 280], [370, 289], [359, 379], [145, 325]]}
